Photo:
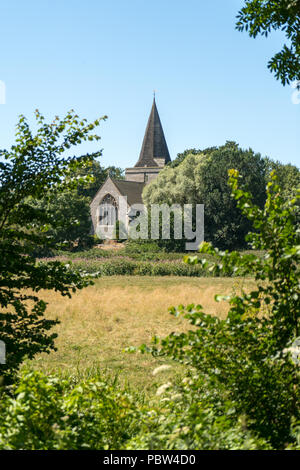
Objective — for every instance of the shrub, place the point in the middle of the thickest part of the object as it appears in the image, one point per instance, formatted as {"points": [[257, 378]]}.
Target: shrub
{"points": [[49, 413], [117, 267], [46, 412], [122, 266], [248, 353], [141, 246], [143, 269], [191, 415], [93, 253]]}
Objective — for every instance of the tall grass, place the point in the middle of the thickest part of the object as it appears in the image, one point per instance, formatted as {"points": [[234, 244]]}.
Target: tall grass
{"points": [[99, 322]]}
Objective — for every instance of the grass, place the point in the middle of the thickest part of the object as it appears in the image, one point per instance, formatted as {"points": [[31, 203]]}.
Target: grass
{"points": [[120, 311]]}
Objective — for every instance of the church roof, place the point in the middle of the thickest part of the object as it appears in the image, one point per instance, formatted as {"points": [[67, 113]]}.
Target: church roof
{"points": [[154, 143], [132, 189]]}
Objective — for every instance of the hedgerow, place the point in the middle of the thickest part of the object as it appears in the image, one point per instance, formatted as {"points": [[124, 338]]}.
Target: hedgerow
{"points": [[123, 266], [52, 412]]}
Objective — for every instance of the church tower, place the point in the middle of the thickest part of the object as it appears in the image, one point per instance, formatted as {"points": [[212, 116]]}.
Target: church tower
{"points": [[106, 205], [154, 153]]}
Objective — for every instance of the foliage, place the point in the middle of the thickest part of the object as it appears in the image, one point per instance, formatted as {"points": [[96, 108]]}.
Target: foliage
{"points": [[288, 177], [248, 353], [68, 211], [134, 247], [121, 266], [134, 251], [52, 413], [120, 231], [95, 175], [35, 165], [202, 179], [148, 250], [69, 223], [193, 415], [47, 412], [259, 17], [90, 253], [181, 156], [162, 238]]}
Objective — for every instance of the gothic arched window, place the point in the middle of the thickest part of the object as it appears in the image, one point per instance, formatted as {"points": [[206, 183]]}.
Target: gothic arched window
{"points": [[108, 210]]}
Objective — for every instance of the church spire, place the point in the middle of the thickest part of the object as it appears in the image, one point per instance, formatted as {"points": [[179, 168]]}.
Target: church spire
{"points": [[154, 144]]}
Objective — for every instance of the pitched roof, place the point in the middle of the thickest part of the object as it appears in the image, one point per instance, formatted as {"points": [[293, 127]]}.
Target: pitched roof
{"points": [[132, 189], [154, 143]]}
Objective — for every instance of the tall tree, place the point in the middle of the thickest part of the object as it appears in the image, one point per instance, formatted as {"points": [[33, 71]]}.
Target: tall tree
{"points": [[96, 174], [36, 165], [202, 179]]}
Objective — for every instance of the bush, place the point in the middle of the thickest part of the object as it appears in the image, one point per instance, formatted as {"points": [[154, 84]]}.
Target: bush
{"points": [[93, 253], [141, 246], [49, 413], [117, 267], [46, 412], [193, 416], [122, 266], [252, 354]]}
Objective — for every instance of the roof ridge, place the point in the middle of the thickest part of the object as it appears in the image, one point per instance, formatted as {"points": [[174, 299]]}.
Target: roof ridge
{"points": [[127, 181]]}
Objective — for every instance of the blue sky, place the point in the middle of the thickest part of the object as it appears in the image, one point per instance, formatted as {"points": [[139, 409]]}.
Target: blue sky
{"points": [[106, 57]]}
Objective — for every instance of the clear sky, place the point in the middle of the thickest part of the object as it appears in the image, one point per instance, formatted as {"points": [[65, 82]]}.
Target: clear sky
{"points": [[106, 57]]}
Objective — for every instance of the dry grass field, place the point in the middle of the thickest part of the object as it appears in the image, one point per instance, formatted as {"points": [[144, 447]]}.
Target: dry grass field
{"points": [[100, 321]]}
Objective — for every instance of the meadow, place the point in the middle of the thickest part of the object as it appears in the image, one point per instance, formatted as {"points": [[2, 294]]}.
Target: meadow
{"points": [[99, 322]]}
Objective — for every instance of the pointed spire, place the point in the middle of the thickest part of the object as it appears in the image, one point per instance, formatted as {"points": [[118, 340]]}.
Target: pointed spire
{"points": [[154, 143]]}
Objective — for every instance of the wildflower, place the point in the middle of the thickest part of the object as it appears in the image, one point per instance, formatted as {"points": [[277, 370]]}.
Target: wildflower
{"points": [[161, 369], [294, 350], [163, 388]]}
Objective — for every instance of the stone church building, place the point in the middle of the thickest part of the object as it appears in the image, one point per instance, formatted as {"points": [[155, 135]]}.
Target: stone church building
{"points": [[110, 203]]}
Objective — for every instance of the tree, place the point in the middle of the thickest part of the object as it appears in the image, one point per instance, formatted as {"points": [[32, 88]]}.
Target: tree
{"points": [[96, 176], [34, 166], [288, 177], [68, 211], [181, 156], [251, 357], [260, 17], [202, 179], [69, 222]]}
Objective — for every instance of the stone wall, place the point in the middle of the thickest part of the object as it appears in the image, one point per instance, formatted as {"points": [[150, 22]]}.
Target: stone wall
{"points": [[107, 188], [142, 174]]}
